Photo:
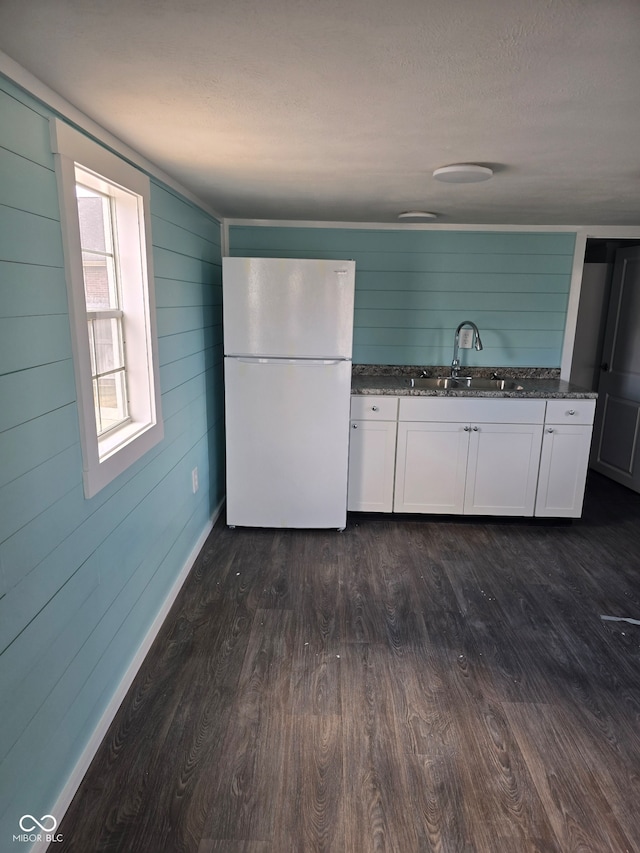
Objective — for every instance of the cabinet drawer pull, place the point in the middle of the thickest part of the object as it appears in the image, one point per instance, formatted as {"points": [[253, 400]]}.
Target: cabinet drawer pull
{"points": [[375, 409], [571, 412]]}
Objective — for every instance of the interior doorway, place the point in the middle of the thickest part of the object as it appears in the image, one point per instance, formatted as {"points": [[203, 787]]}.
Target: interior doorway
{"points": [[593, 310], [607, 354]]}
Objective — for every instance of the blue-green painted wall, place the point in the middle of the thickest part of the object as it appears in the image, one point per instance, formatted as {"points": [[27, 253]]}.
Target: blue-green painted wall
{"points": [[82, 580], [414, 287]]}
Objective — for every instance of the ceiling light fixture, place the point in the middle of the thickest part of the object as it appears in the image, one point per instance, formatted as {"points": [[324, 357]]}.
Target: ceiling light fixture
{"points": [[463, 173], [417, 214]]}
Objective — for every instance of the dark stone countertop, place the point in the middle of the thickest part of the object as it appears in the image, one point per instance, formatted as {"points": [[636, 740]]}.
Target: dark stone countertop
{"points": [[388, 380]]}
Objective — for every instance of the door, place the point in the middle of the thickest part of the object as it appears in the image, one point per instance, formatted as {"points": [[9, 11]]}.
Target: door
{"points": [[287, 433], [563, 470], [372, 458], [431, 467], [616, 450], [292, 308], [502, 472]]}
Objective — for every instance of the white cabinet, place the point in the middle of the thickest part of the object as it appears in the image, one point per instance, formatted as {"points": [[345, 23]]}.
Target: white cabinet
{"points": [[502, 469], [464, 455], [372, 449], [565, 458], [469, 455], [431, 465]]}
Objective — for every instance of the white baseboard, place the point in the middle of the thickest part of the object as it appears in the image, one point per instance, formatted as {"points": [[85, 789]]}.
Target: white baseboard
{"points": [[77, 775]]}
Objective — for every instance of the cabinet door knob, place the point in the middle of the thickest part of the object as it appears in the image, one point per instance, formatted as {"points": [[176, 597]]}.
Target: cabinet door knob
{"points": [[475, 429], [571, 412], [374, 408], [549, 429], [467, 429], [354, 426]]}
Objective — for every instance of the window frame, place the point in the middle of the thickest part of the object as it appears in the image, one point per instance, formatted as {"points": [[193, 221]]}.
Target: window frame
{"points": [[114, 313], [107, 456]]}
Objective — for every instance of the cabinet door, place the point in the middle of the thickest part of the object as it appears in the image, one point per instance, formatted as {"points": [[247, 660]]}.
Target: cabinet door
{"points": [[431, 466], [502, 472], [372, 450], [563, 470]]}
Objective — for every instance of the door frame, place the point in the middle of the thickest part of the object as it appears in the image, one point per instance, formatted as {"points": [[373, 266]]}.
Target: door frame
{"points": [[617, 387], [584, 233]]}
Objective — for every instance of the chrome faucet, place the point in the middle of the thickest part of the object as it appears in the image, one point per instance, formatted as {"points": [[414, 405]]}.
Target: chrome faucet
{"points": [[477, 343]]}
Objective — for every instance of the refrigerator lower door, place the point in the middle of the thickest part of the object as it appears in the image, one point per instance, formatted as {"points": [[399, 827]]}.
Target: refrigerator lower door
{"points": [[287, 431]]}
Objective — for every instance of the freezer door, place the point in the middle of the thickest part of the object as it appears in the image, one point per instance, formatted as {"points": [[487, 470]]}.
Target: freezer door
{"points": [[282, 307], [287, 428]]}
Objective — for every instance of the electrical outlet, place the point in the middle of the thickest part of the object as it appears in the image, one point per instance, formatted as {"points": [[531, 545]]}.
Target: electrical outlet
{"points": [[194, 480], [466, 338]]}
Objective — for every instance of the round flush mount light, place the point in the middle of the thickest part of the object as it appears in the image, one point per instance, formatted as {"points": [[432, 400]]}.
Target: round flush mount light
{"points": [[417, 214], [463, 173]]}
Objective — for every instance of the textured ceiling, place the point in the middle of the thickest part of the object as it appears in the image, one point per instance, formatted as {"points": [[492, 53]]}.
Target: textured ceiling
{"points": [[342, 109]]}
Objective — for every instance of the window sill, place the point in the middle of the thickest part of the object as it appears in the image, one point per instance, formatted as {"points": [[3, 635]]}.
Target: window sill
{"points": [[118, 438]]}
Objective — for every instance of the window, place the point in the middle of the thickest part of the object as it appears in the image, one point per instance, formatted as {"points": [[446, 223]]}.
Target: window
{"points": [[102, 282], [105, 217]]}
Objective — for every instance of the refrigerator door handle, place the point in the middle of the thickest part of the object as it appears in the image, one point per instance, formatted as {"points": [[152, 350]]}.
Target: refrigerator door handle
{"points": [[246, 359]]}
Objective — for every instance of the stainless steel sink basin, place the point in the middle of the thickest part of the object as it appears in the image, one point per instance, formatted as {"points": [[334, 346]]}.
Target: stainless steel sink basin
{"points": [[444, 383]]}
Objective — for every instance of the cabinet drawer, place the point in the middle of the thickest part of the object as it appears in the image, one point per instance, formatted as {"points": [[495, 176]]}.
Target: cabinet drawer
{"points": [[366, 407], [570, 411], [467, 409]]}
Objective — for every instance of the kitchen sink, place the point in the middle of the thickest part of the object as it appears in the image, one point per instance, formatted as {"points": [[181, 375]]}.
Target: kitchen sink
{"points": [[444, 383]]}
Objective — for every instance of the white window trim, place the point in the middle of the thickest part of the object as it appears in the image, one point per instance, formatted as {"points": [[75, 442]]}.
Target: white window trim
{"points": [[106, 458]]}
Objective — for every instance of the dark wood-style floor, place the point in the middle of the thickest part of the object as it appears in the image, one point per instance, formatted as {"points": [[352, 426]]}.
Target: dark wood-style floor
{"points": [[409, 685]]}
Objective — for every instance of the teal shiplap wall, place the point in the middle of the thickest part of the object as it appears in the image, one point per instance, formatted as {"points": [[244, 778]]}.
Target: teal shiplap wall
{"points": [[81, 581], [414, 287]]}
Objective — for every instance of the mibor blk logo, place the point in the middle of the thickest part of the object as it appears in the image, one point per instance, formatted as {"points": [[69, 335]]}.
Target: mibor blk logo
{"points": [[47, 823], [38, 829]]}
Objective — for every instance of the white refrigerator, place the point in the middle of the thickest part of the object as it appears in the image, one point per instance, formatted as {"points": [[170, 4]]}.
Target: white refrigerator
{"points": [[288, 332]]}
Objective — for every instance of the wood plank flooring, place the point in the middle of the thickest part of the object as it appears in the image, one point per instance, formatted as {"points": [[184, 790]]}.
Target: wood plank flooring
{"points": [[410, 685]]}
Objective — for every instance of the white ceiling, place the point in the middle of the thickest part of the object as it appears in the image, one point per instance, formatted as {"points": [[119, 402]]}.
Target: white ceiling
{"points": [[341, 109]]}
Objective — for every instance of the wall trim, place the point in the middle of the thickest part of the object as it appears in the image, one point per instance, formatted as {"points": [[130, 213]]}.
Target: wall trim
{"points": [[399, 226], [613, 232], [620, 232], [224, 238], [77, 774], [15, 73], [571, 321]]}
